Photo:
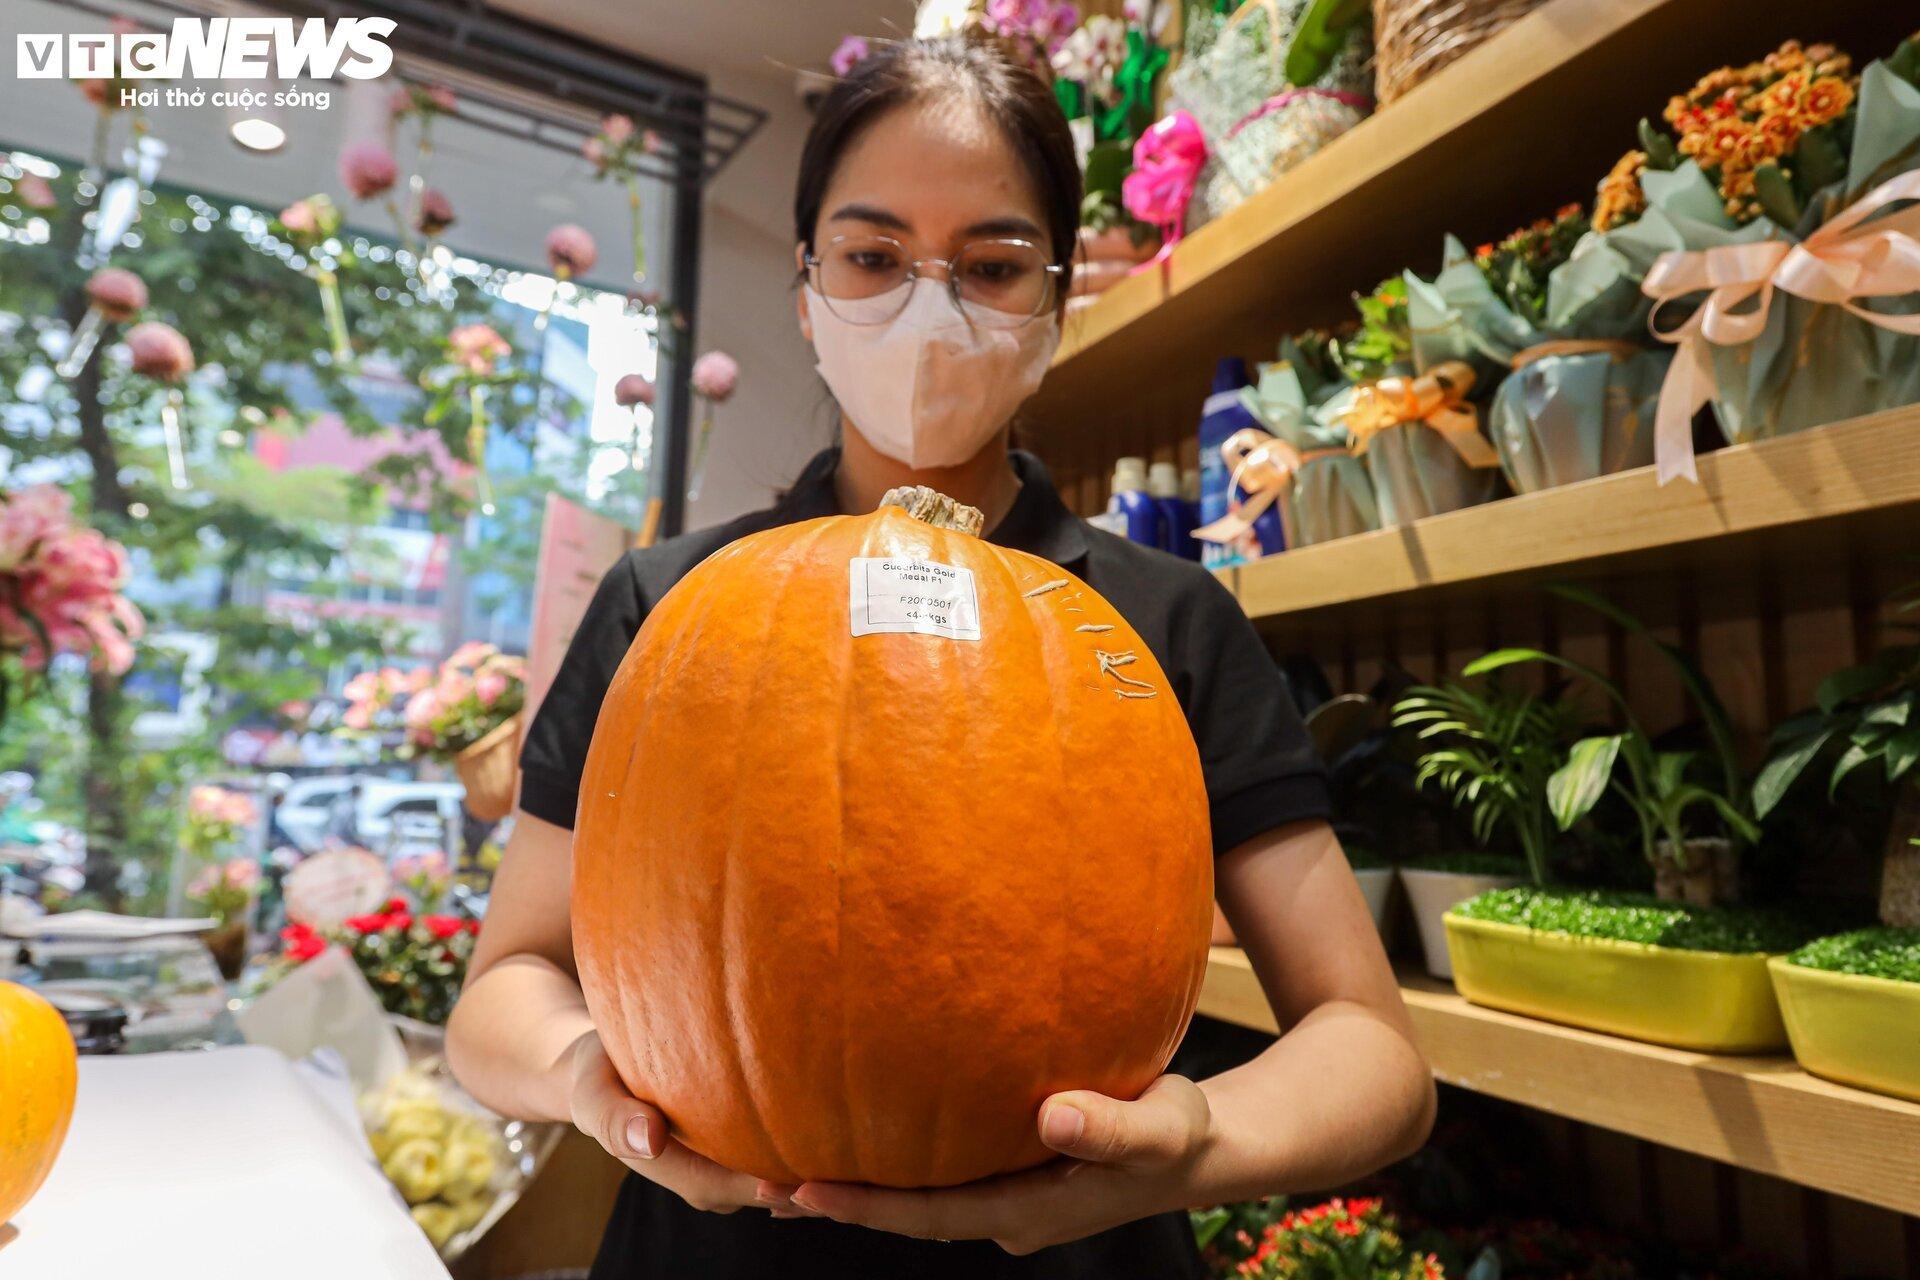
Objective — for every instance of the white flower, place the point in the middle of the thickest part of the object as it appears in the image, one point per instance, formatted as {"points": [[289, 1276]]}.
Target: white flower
{"points": [[941, 18], [1093, 53], [1150, 16]]}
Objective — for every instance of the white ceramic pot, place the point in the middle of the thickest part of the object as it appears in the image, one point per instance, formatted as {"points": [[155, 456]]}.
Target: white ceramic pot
{"points": [[1432, 894], [1377, 884]]}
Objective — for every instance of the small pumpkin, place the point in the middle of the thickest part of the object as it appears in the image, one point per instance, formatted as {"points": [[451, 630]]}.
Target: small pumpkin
{"points": [[887, 833], [39, 1072]]}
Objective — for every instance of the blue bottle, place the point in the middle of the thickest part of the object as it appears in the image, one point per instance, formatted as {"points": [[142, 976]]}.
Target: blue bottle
{"points": [[1131, 501], [1220, 417], [1177, 516]]}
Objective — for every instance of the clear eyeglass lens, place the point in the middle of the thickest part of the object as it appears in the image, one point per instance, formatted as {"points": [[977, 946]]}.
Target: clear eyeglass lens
{"points": [[1001, 283]]}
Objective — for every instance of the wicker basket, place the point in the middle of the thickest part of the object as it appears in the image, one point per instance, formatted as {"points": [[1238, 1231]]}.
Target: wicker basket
{"points": [[1415, 38], [489, 769]]}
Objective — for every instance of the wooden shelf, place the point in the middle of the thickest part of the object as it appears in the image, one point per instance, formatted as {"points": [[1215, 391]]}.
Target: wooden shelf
{"points": [[1759, 1113], [1528, 121], [1779, 503]]}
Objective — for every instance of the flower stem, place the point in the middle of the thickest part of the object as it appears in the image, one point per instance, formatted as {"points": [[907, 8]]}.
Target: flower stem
{"points": [[639, 235], [477, 447], [335, 313]]}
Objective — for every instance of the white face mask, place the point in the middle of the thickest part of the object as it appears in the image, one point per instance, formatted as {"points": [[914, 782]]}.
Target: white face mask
{"points": [[927, 388]]}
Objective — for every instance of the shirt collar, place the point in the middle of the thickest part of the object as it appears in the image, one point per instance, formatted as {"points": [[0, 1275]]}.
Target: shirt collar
{"points": [[1038, 522]]}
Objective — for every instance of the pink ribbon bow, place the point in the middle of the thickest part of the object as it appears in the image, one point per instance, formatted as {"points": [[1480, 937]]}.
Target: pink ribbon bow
{"points": [[1839, 263], [1166, 168]]}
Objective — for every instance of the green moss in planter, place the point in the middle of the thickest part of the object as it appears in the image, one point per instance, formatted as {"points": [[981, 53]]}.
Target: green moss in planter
{"points": [[1869, 953], [1470, 864], [1634, 917]]}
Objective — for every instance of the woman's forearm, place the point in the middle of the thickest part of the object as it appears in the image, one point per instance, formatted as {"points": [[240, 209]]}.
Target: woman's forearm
{"points": [[1338, 1096], [510, 1038]]}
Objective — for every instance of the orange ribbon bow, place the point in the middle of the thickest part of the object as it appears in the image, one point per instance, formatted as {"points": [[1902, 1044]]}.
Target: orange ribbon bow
{"points": [[1436, 398], [1263, 465], [1837, 264]]}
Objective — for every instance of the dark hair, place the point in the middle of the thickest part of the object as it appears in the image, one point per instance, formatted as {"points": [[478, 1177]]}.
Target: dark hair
{"points": [[972, 66]]}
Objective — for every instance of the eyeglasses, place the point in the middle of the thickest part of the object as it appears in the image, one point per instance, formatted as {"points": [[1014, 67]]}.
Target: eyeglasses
{"points": [[997, 284]]}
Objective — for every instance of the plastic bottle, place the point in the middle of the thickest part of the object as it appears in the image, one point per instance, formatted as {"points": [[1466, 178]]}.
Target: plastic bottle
{"points": [[1176, 518], [1130, 504]]}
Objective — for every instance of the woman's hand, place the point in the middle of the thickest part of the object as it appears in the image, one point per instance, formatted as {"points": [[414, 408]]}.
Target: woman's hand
{"points": [[1127, 1160], [635, 1133]]}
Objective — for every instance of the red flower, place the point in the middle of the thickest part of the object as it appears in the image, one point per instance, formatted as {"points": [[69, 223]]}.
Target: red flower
{"points": [[369, 924], [1349, 1227], [401, 920], [443, 927], [299, 943], [1360, 1206], [395, 906], [473, 927]]}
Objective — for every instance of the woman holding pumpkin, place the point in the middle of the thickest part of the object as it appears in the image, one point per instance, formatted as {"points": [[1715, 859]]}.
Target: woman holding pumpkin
{"points": [[935, 217]]}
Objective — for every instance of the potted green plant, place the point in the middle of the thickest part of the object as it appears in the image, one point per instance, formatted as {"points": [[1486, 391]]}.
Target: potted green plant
{"points": [[1679, 967], [1491, 751], [1868, 718], [1628, 964], [1852, 1008], [1852, 1002]]}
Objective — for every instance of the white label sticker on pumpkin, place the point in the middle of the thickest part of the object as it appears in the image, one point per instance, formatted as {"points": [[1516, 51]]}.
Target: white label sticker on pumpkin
{"points": [[889, 593]]}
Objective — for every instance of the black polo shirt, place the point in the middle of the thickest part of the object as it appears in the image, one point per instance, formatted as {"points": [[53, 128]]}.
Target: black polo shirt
{"points": [[1260, 769]]}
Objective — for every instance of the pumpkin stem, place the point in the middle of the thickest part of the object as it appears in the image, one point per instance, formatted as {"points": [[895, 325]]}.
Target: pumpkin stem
{"points": [[935, 508]]}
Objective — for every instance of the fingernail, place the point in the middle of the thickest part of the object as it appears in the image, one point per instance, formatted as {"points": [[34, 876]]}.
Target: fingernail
{"points": [[804, 1199], [773, 1193], [640, 1136], [1062, 1125]]}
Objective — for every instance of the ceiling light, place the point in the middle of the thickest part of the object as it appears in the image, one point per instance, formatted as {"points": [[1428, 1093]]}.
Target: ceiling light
{"points": [[257, 133]]}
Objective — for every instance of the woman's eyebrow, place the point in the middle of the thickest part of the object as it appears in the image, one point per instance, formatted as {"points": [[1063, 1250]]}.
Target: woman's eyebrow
{"points": [[1011, 225], [869, 213]]}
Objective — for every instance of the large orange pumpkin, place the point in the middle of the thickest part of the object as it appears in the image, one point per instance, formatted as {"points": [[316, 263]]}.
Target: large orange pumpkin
{"points": [[39, 1072], [853, 893]]}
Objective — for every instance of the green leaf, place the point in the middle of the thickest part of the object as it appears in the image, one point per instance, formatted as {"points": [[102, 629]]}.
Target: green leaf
{"points": [[1778, 774], [1847, 684], [1577, 785], [1670, 770], [1855, 756], [1208, 1223], [1661, 153], [1902, 750], [1712, 710], [1775, 195], [1818, 161]]}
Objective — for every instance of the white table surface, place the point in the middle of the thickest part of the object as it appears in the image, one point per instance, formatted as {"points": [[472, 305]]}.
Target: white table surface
{"points": [[226, 1163]]}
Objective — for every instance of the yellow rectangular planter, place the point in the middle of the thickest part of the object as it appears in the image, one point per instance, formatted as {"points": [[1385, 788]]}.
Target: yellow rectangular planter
{"points": [[1857, 1030], [1704, 1000]]}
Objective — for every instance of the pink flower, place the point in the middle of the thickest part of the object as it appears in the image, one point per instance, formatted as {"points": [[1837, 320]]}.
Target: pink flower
{"points": [[367, 168], [851, 50], [616, 128], [159, 351], [715, 375], [435, 214], [117, 292], [241, 873], [34, 191], [632, 389], [477, 348], [441, 97], [60, 585], [471, 654], [219, 806], [488, 686], [358, 717], [422, 709], [595, 151], [1166, 164], [571, 250], [650, 142], [300, 218]]}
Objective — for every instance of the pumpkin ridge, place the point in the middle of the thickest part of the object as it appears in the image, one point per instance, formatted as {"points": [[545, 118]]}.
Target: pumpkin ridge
{"points": [[1053, 654], [736, 981], [631, 995]]}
